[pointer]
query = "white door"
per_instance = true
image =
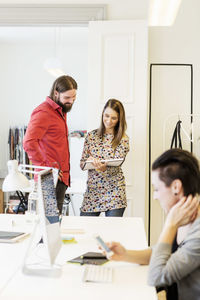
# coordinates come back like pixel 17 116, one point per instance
pixel 118 69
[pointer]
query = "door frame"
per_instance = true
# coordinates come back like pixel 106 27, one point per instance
pixel 50 14
pixel 152 65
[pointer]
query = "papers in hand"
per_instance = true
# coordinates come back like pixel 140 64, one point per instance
pixel 109 162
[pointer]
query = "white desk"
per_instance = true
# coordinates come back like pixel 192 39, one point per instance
pixel 11 256
pixel 129 279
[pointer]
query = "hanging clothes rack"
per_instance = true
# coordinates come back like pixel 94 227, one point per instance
pixel 15 142
pixel 188 134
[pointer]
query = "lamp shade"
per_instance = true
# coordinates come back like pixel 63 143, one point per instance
pixel 54 67
pixel 14 181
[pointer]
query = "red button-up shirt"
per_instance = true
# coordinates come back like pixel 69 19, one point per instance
pixel 46 138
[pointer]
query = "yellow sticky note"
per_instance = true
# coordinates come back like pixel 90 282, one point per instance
pixel 69 240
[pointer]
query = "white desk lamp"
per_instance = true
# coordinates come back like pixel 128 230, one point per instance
pixel 16 181
pixel 49 227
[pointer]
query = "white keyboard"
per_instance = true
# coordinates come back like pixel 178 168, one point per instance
pixel 94 273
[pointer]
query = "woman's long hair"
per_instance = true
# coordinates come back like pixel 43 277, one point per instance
pixel 120 128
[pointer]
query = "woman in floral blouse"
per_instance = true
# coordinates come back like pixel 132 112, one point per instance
pixel 106 190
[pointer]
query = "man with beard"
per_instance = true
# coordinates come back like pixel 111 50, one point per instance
pixel 46 138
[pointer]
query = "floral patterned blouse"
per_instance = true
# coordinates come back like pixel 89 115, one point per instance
pixel 105 190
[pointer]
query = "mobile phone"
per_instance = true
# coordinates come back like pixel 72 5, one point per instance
pixel 103 245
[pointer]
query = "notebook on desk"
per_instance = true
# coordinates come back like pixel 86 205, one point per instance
pixel 91 258
pixel 11 236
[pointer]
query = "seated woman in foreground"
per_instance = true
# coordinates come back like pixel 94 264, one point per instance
pixel 175 259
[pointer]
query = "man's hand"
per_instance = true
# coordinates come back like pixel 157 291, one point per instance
pixel 60 175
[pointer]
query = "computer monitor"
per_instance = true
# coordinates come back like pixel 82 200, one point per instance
pixel 46 239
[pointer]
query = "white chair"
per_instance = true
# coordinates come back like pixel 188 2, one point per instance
pixel 78 187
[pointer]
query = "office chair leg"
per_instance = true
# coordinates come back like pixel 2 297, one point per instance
pixel 23 202
pixel 67 201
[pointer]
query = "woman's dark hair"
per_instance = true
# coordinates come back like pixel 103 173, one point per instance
pixel 62 84
pixel 179 164
pixel 121 125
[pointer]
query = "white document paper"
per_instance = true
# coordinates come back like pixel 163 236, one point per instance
pixel 109 162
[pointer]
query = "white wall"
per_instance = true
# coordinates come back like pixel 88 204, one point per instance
pixel 116 10
pixel 35 93
pixel 25 84
pixel 177 44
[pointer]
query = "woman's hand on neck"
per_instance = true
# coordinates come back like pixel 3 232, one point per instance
pixel 182 213
pixel 183 230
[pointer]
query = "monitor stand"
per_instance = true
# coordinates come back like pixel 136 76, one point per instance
pixel 37 260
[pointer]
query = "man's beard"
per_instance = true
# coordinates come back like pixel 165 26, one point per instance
pixel 65 107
